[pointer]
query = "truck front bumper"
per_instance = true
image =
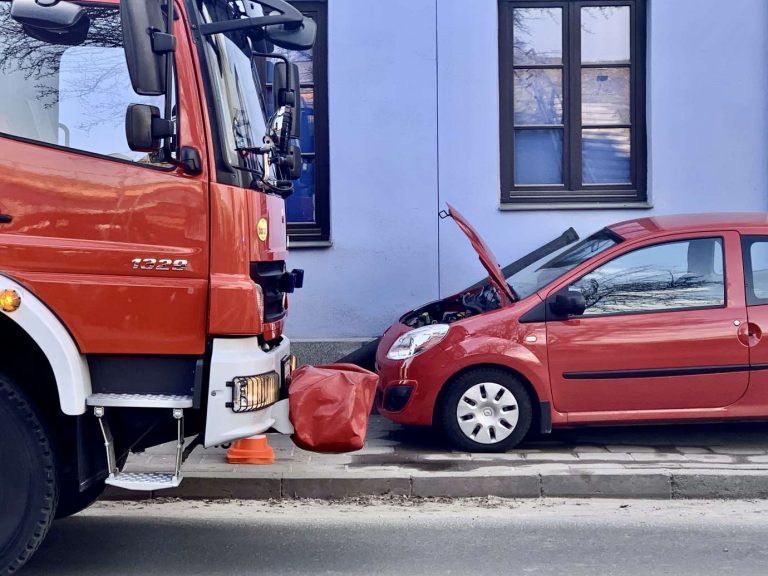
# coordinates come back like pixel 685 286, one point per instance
pixel 239 358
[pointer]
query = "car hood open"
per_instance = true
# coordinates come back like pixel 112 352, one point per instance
pixel 484 252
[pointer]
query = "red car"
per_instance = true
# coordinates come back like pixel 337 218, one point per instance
pixel 649 320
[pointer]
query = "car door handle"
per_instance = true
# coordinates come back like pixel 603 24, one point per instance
pixel 6 218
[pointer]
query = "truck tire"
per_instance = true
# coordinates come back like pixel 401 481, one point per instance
pixel 72 501
pixel 28 487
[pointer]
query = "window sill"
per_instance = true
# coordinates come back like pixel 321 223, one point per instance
pixel 309 244
pixel 575 206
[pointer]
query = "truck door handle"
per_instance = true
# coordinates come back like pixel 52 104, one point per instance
pixel 6 218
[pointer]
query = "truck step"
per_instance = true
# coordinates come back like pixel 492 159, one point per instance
pixel 145 481
pixel 139 401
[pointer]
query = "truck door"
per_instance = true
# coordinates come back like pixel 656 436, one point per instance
pixel 114 241
pixel 658 332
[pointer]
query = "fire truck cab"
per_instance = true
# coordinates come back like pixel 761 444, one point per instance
pixel 146 149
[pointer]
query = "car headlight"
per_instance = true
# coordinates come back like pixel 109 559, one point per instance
pixel 416 341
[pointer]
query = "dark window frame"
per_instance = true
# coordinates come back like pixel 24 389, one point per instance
pixel 303 234
pixel 573 192
pixel 716 237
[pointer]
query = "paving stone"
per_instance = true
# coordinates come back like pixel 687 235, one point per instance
pixel 693 450
pixel 551 457
pixel 657 457
pixel 617 485
pixel 628 449
pixel 757 459
pixel 460 456
pixel 710 458
pixel 505 486
pixel 225 488
pixel 742 485
pixel 333 488
pixel 738 450
pixel 605 456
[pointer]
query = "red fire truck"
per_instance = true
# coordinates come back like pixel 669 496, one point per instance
pixel 143 279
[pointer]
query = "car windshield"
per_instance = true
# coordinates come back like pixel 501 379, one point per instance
pixel 236 85
pixel 550 267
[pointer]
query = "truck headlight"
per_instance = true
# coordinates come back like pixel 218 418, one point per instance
pixel 416 341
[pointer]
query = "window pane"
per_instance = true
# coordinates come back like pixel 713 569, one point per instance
pixel 300 206
pixel 538 97
pixel 605 156
pixel 605 96
pixel 605 34
pixel 758 253
pixel 307 120
pixel 661 277
pixel 302 59
pixel 539 156
pixel 538 36
pixel 72 96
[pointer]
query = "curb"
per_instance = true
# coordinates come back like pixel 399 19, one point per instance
pixel 659 485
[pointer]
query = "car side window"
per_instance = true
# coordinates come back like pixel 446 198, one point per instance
pixel 755 250
pixel 673 275
pixel 74 96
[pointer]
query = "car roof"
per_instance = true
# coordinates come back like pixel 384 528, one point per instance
pixel 653 226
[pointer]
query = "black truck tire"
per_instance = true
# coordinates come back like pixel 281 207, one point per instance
pixel 28 486
pixel 72 501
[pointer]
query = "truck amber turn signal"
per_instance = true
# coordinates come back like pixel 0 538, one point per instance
pixel 9 300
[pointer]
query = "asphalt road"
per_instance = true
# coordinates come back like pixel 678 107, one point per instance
pixel 595 537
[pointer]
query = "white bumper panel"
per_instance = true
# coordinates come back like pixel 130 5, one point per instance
pixel 70 368
pixel 242 357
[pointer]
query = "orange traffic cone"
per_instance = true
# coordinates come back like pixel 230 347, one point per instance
pixel 253 450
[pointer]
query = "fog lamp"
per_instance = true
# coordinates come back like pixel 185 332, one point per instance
pixel 9 300
pixel 251 393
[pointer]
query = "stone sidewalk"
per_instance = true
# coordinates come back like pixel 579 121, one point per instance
pixel 684 461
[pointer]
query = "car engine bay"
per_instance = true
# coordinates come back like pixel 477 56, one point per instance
pixel 463 305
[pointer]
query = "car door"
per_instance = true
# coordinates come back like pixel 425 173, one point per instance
pixel 658 331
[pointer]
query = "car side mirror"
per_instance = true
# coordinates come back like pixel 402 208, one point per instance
pixel 144 128
pixel 568 303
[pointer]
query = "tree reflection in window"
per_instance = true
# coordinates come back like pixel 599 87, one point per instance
pixel 674 275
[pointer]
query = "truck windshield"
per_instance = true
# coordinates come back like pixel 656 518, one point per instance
pixel 550 267
pixel 236 86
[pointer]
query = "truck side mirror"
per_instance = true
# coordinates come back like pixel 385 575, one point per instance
pixel 293 35
pixel 146 45
pixel 568 303
pixel 287 92
pixel 141 123
pixel 52 21
pixel 46 14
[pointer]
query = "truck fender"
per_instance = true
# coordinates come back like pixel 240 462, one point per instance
pixel 70 368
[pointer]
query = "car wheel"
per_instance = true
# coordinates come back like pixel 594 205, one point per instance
pixel 485 410
pixel 28 487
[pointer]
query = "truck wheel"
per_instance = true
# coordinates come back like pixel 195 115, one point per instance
pixel 28 488
pixel 72 501
pixel 485 410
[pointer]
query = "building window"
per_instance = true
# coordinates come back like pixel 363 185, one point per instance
pixel 572 102
pixel 308 208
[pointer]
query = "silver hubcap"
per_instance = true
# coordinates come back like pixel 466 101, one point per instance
pixel 487 413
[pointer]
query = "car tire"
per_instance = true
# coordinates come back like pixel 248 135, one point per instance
pixel 485 410
pixel 28 484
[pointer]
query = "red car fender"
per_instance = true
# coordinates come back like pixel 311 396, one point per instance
pixel 527 359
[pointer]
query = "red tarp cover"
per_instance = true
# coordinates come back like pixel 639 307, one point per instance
pixel 330 405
